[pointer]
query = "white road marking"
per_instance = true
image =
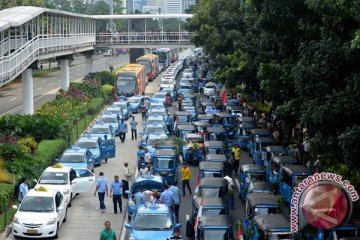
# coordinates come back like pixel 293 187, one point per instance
pixel 12 99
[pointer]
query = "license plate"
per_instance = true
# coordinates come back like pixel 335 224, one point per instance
pixel 32 231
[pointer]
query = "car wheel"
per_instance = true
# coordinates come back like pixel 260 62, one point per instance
pixel 71 196
pixel 57 232
pixel 65 218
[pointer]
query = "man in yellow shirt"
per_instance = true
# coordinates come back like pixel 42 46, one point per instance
pixel 185 177
pixel 237 153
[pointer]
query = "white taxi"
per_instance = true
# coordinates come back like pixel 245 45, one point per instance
pixel 40 214
pixel 67 180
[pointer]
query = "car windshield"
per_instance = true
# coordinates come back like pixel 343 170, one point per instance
pixel 88 144
pixel 109 119
pixel 121 105
pixel 159 95
pixel 183 119
pixel 154 122
pixel 54 178
pixel 215 234
pixel 37 204
pixel 210 192
pixel 166 81
pixel 229 120
pixel 260 211
pixel 164 163
pixel 152 222
pixel 99 130
pixel 72 158
pixel 155 130
pixel 156 106
pixel 133 100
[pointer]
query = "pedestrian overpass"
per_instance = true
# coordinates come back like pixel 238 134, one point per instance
pixel 29 34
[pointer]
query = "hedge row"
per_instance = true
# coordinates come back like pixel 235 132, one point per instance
pixel 95 105
pixel 6 193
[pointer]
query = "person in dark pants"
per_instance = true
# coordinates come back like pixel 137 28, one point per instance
pixel 237 153
pixel 133 124
pixel 122 130
pixel 102 189
pixel 116 193
pixel 177 200
pixel 185 177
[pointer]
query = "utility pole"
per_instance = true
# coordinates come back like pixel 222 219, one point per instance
pixel 111 13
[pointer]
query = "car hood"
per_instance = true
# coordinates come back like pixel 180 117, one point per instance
pixel 75 165
pixel 94 151
pixel 151 235
pixel 34 217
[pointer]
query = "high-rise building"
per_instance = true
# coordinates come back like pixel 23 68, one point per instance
pixel 186 4
pixel 173 6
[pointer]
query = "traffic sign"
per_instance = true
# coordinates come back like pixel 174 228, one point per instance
pixel 325 205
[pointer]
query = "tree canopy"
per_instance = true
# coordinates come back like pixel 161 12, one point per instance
pixel 302 56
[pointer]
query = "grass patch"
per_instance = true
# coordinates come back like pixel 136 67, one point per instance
pixel 43 72
pixel 9 216
pixel 80 127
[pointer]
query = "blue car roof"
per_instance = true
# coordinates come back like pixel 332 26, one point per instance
pixel 75 150
pixel 153 208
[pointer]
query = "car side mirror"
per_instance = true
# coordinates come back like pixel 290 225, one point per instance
pixel 14 206
pixel 127 225
pixel 60 208
pixel 56 160
pixel 178 226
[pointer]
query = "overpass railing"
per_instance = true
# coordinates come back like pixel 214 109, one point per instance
pixel 137 38
pixel 17 61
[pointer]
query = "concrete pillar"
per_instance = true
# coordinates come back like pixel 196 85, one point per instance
pixel 88 65
pixel 27 92
pixel 65 75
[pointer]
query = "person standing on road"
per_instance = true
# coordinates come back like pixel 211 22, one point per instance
pixel 116 193
pixel 139 198
pixel 108 233
pixel 122 130
pixel 147 158
pixel 133 125
pixel 23 189
pixel 177 200
pixel 127 172
pixel 185 177
pixel 237 153
pixel 143 111
pixel 167 197
pixel 102 189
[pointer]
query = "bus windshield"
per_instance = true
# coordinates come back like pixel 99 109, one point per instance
pixel 162 56
pixel 147 66
pixel 125 85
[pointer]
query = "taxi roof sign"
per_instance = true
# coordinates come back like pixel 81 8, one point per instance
pixel 57 165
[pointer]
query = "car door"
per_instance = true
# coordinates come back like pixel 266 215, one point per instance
pixel 83 181
pixel 107 149
pixel 90 160
pixel 60 206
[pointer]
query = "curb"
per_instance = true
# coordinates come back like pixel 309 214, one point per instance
pixel 7 232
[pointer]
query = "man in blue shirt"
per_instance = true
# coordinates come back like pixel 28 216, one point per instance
pixel 115 193
pixel 177 199
pixel 140 153
pixel 139 198
pixel 122 130
pixel 102 189
pixel 167 197
pixel 23 189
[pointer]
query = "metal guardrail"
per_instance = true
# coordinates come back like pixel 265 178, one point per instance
pixel 17 61
pixel 143 38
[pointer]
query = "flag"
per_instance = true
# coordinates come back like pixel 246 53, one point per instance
pixel 223 95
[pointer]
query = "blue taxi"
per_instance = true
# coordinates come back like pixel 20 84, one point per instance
pixel 150 182
pixel 165 164
pixel 112 119
pixel 136 102
pixel 77 158
pixel 271 226
pixel 152 221
pixel 125 108
pixel 100 129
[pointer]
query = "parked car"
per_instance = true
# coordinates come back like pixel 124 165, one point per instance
pixel 152 221
pixel 67 180
pixel 136 102
pixel 40 214
pixel 75 157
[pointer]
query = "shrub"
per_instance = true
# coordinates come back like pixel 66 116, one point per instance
pixel 105 77
pixel 8 139
pixel 90 88
pixel 74 94
pixel 6 193
pixel 109 89
pixel 261 107
pixel 27 144
pixel 95 105
pixel 9 152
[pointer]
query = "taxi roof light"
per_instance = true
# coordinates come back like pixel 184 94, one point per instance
pixel 57 165
pixel 41 189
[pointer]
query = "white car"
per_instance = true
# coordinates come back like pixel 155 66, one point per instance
pixel 67 180
pixel 209 89
pixel 40 214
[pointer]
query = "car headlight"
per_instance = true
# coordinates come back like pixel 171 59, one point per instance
pixel 131 203
pixel 51 221
pixel 16 220
pixel 66 191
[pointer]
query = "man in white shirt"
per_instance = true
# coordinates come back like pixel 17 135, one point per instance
pixel 147 157
pixel 143 171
